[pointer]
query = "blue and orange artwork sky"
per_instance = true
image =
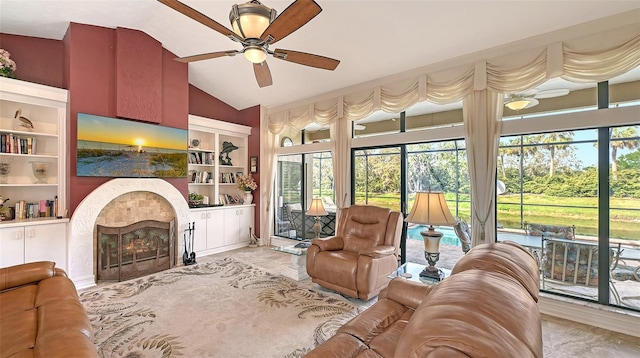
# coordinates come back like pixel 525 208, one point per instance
pixel 111 130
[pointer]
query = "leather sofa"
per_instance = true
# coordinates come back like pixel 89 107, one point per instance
pixel 364 251
pixel 41 314
pixel 486 308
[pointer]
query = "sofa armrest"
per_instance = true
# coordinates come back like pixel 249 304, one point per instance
pixel 378 251
pixel 405 292
pixel 333 243
pixel 20 275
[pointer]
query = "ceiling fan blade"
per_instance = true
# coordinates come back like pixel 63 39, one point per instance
pixel 552 93
pixel 200 17
pixel 307 59
pixel 263 75
pixel 292 18
pixel 207 56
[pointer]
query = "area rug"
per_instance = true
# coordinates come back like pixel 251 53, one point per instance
pixel 220 308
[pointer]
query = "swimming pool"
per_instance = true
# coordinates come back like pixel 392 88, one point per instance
pixel 449 236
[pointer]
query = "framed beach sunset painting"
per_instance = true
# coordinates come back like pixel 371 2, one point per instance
pixel 111 147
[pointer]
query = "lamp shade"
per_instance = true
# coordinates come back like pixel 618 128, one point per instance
pixel 249 20
pixel 430 208
pixel 255 54
pixel 316 208
pixel 519 103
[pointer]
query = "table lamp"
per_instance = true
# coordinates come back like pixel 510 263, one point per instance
pixel 316 209
pixel 430 208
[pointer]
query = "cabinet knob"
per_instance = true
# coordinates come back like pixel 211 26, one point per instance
pixel 203 216
pixel 208 215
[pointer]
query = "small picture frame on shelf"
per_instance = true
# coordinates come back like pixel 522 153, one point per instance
pixel 253 165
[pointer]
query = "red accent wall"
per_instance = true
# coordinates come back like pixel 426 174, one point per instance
pixel 38 60
pixel 93 88
pixel 203 105
pixel 138 76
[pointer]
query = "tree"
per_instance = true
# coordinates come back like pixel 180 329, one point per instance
pixel 554 141
pixel 620 138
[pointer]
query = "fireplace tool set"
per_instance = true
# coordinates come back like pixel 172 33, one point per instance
pixel 189 258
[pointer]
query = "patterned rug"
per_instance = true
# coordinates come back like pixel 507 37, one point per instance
pixel 220 308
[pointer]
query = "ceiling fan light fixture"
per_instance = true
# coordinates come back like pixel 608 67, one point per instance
pixel 255 54
pixel 249 20
pixel 519 103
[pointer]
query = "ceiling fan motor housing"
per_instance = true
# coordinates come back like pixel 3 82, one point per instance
pixel 249 20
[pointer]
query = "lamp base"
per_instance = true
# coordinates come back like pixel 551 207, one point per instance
pixel 436 275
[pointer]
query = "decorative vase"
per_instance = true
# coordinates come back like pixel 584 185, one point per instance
pixel 5 169
pixel 248 197
pixel 40 171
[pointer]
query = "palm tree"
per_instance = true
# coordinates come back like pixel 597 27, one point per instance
pixel 554 141
pixel 618 140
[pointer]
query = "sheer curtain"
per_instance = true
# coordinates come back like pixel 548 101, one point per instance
pixel 268 145
pixel 482 113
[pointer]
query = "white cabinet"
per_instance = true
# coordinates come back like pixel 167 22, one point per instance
pixel 46 108
pixel 30 243
pixel 217 155
pixel 221 228
pixel 237 223
pixel 209 225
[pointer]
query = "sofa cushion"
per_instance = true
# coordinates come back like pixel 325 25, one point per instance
pixel 337 267
pixel 25 274
pixel 17 332
pixel 341 345
pixel 479 313
pixel 55 288
pixel 507 258
pixel 20 299
pixel 65 344
pixel 379 317
pixel 63 315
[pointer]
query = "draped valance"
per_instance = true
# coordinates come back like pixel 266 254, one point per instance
pixel 591 58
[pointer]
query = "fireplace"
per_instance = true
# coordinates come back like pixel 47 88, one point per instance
pixel 139 249
pixel 121 202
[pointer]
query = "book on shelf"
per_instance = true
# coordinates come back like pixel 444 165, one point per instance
pixel 196 176
pixel 15 144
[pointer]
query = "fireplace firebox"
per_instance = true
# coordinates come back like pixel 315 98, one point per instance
pixel 135 250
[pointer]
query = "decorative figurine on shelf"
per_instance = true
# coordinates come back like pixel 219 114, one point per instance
pixel 3 215
pixel 253 240
pixel 22 123
pixel 227 147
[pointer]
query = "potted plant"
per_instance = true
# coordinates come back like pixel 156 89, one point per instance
pixel 195 199
pixel 246 184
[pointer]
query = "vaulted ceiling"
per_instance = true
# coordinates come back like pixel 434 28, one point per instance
pixel 372 39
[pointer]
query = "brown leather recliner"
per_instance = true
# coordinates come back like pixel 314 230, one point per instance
pixel 364 251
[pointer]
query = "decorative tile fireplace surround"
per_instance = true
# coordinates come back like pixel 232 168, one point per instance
pixel 129 194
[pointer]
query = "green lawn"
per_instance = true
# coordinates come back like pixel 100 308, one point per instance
pixel 581 212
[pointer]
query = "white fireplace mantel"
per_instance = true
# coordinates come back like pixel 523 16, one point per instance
pixel 81 237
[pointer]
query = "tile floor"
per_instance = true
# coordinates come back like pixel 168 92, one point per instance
pixel 561 338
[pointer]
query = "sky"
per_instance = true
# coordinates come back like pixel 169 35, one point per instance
pixel 121 131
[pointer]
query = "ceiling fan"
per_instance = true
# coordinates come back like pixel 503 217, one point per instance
pixel 529 98
pixel 256 27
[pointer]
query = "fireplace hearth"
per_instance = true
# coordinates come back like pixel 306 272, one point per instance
pixel 135 250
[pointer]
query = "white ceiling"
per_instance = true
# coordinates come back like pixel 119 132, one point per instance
pixel 373 39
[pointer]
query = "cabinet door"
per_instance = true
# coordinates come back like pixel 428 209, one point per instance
pixel 215 229
pixel 231 226
pixel 200 235
pixel 46 243
pixel 11 246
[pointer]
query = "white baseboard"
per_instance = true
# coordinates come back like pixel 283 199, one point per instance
pixel 84 282
pixel 609 318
